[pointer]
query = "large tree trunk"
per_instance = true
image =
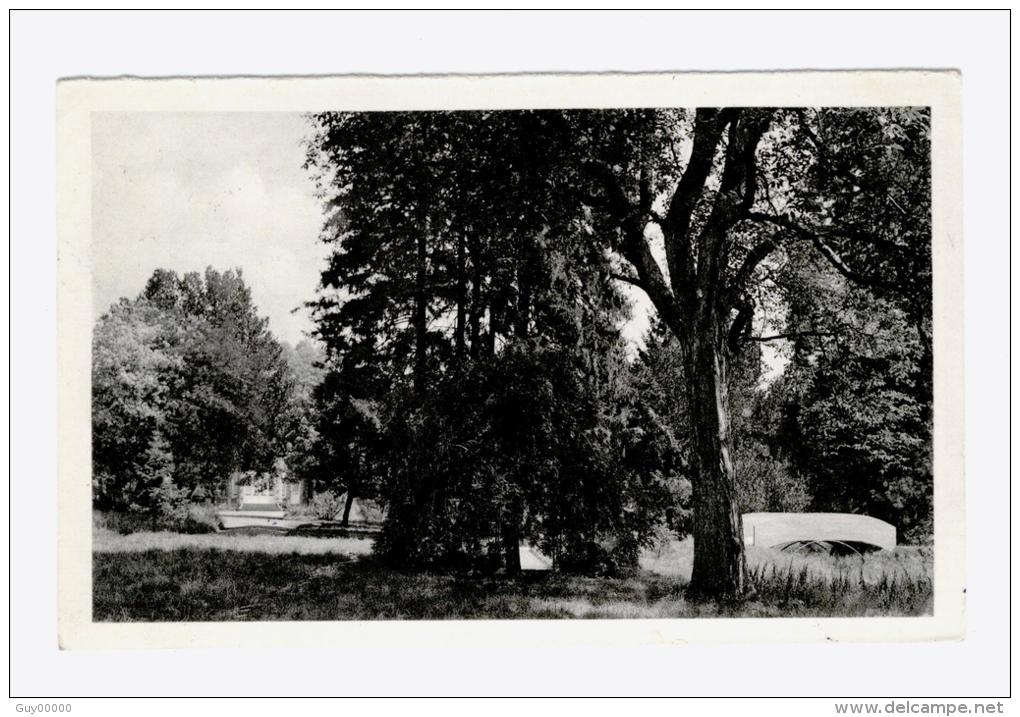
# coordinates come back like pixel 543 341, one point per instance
pixel 511 544
pixel 347 509
pixel 694 303
pixel 719 566
pixel 512 551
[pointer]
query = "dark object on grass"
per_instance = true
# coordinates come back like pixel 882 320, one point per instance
pixel 336 529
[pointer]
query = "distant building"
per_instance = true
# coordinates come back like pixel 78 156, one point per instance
pixel 278 483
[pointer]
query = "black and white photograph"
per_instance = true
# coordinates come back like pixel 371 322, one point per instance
pixel 617 363
pixel 469 361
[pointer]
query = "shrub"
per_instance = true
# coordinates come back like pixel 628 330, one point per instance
pixel 766 483
pixel 200 518
pixel 326 505
pixel 193 520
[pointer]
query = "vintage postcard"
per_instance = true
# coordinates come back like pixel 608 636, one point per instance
pixel 365 360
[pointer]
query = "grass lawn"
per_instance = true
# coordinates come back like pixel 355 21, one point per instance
pixel 172 577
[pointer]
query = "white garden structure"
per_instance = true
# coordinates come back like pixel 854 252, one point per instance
pixel 786 531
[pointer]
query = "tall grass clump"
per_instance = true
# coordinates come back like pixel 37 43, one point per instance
pixel 897 582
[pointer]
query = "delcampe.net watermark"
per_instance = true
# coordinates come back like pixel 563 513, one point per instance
pixel 908 707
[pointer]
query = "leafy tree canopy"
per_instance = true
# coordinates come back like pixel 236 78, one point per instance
pixel 189 374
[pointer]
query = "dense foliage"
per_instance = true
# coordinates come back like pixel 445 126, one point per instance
pixel 188 386
pixel 857 417
pixel 472 308
pixel 474 347
pixel 474 374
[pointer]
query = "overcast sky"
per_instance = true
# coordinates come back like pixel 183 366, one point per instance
pixel 187 191
pixel 191 190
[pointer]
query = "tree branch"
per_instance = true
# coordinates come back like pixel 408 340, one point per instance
pixel 617 201
pixel 805 125
pixel 708 129
pixel 676 224
pixel 792 335
pixel 639 254
pixel 645 195
pixel 632 280
pixel 739 181
pixel 754 257
pixel 815 236
pixel 732 202
pixel 741 325
pixel 631 220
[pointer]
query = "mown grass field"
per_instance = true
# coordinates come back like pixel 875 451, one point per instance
pixel 173 577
